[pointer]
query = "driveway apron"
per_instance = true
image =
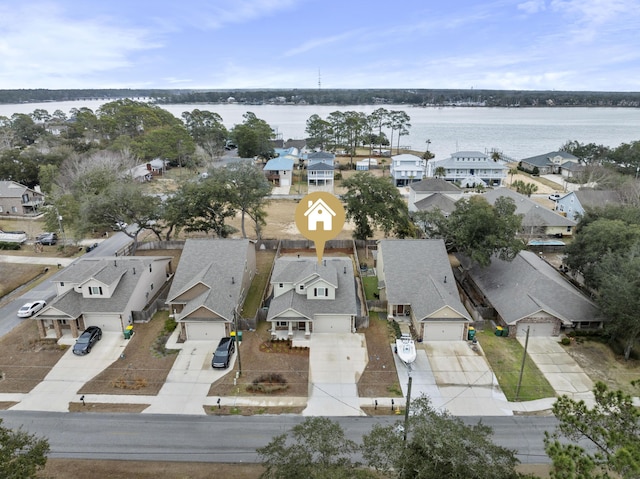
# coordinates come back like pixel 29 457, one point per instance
pixel 187 385
pixel 560 369
pixel 71 372
pixel 336 362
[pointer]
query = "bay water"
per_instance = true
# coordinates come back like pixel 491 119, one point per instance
pixel 516 132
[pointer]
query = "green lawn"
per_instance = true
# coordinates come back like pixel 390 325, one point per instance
pixel 370 284
pixel 505 357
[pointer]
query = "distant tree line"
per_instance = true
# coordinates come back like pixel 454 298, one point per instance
pixel 418 97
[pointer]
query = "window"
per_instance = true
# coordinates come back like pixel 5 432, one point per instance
pixel 320 292
pixel 282 324
pixel 14 209
pixel 95 290
pixel 302 287
pixel 62 283
pixel 281 285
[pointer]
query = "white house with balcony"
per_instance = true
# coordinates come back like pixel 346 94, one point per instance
pixel 470 168
pixel 406 168
pixel 320 171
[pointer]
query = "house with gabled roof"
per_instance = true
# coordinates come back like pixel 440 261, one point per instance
pixel 211 282
pixel 421 194
pixel 103 292
pixel 406 169
pixel 311 297
pixel 320 171
pixel 470 168
pixel 548 163
pixel 529 293
pixel 280 170
pixel 17 199
pixel 574 204
pixel 537 221
pixel 416 280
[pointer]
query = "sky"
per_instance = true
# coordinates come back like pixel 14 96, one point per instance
pixel 240 44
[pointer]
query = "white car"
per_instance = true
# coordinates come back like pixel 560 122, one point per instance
pixel 30 309
pixel 555 197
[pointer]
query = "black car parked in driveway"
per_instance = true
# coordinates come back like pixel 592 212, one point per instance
pixel 47 238
pixel 223 353
pixel 86 340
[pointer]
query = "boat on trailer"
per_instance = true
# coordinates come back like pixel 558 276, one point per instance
pixel 406 348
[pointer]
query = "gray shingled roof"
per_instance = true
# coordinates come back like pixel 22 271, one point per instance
pixel 590 198
pixel 295 270
pixel 434 185
pixel 527 285
pixel 533 214
pixel 320 167
pixel 436 200
pixel 105 270
pixel 321 155
pixel 415 272
pixel 545 159
pixel 212 262
pixel 12 189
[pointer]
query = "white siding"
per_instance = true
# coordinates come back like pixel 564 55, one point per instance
pixel 536 329
pixel 442 331
pixel 205 330
pixel 105 322
pixel 332 324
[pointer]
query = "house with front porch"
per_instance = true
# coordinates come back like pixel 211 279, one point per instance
pixel 530 294
pixel 470 169
pixel 416 280
pixel 211 282
pixel 19 200
pixel 103 292
pixel 310 297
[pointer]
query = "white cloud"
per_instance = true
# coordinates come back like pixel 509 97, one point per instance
pixel 532 6
pixel 40 42
pixel 237 11
pixel 317 43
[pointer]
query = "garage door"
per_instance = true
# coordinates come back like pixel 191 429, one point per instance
pixel 204 331
pixel 332 324
pixel 536 329
pixel 443 331
pixel 106 323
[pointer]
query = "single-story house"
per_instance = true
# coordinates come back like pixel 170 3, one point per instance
pixel 529 293
pixel 537 221
pixel 103 292
pixel 19 200
pixel 548 163
pixel 211 282
pixel 574 204
pixel 416 280
pixel 311 297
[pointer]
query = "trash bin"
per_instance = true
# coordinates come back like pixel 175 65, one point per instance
pixel 472 333
pixel 239 336
pixel 499 331
pixel 505 332
pixel 128 332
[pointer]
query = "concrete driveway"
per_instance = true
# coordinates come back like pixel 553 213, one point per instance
pixel 560 369
pixel 336 362
pixel 71 372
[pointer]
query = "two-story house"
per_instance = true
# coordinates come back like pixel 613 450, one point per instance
pixel 406 168
pixel 211 282
pixel 320 171
pixel 279 171
pixel 469 169
pixel 19 200
pixel 311 297
pixel 103 292
pixel 433 193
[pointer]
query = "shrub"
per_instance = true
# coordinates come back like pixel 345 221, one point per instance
pixel 169 326
pixel 268 384
pixel 9 246
pixel 565 341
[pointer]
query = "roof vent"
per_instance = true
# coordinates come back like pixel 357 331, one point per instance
pixel 445 279
pixel 134 271
pixel 233 280
pixel 345 270
pixel 115 263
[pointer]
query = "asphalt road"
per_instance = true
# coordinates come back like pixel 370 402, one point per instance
pixel 223 438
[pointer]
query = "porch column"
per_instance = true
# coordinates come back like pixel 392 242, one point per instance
pixel 56 328
pixel 290 333
pixel 74 328
pixel 307 332
pixel 41 330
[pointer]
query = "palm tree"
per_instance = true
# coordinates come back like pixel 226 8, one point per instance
pixel 440 172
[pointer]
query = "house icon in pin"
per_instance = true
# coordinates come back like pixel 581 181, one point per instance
pixel 319 212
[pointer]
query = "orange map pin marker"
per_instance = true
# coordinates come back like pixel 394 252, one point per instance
pixel 320 217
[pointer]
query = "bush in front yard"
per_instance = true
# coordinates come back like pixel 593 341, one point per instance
pixel 268 384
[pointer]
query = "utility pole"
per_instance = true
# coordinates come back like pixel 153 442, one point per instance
pixel 524 356
pixel 235 325
pixel 406 411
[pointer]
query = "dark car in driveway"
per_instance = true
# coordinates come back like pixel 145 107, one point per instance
pixel 48 239
pixel 87 339
pixel 222 355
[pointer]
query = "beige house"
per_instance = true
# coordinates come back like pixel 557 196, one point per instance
pixel 103 292
pixel 211 282
pixel 19 200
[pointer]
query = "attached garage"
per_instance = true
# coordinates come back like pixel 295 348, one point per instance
pixel 111 323
pixel 536 329
pixel 332 324
pixel 443 331
pixel 205 330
